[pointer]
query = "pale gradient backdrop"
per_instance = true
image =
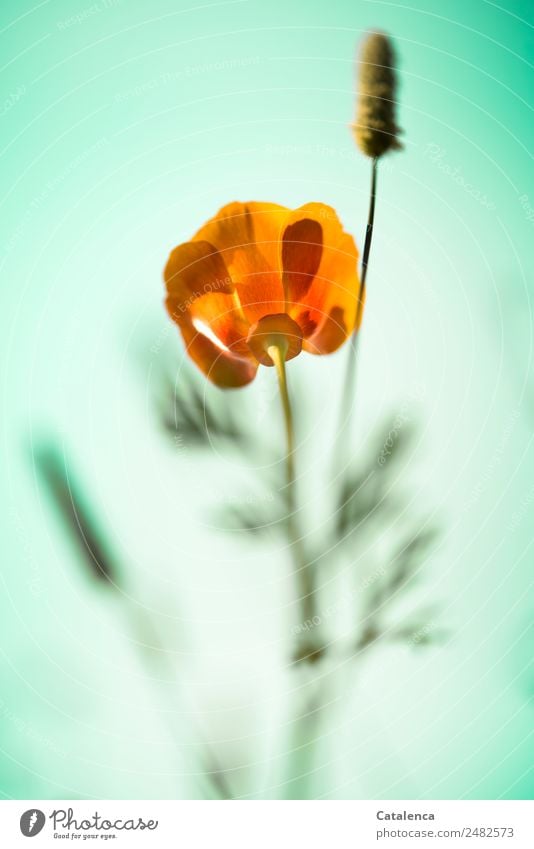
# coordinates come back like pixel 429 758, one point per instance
pixel 125 125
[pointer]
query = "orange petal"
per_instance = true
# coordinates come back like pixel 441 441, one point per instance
pixel 327 311
pixel 331 334
pixel 224 319
pixel 246 225
pixel 199 287
pixel 194 269
pixel 221 366
pixel 248 237
pixel 302 250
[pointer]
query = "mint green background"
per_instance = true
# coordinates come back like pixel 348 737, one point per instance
pixel 122 131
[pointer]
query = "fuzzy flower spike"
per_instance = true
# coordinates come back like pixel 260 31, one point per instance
pixel 375 129
pixel 375 133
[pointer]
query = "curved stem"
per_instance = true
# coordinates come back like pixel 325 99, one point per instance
pixel 303 572
pixel 277 357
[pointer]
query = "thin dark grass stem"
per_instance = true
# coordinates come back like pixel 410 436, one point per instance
pixel 349 385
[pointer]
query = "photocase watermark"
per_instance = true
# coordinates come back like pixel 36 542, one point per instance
pixel 179 310
pixel 66 820
pixel 65 824
pixel 422 634
pixel 526 206
pixel 179 442
pixel 161 339
pixel 89 12
pixel 402 418
pixel 221 497
pixel 32 571
pixel 32 822
pixel 349 153
pixel 437 155
pixel 521 511
pixel 169 77
pixel 206 289
pixel 26 729
pixel 48 189
pixel 313 150
pixel 399 421
pixel 268 394
pixel 333 609
pixel 12 99
pixel 495 461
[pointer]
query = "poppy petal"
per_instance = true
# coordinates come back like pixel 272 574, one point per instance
pixel 327 311
pixel 302 250
pixel 194 269
pixel 332 333
pixel 248 238
pixel 221 366
pixel 256 271
pixel 246 225
pixel 224 319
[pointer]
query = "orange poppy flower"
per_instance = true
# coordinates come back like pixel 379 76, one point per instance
pixel 258 275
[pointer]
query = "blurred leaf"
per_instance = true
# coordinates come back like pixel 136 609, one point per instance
pixel 419 633
pixel 367 491
pixel 370 493
pixel 196 415
pixel 67 497
pixel 402 568
pixel 408 559
pixel 253 519
pixel 189 408
pixel 399 576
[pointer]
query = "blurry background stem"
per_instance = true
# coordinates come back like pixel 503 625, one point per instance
pixel 304 734
pixel 210 777
pixel 304 575
pixel 305 727
pixel 349 385
pixel 73 508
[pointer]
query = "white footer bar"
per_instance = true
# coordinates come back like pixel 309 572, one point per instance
pixel 268 825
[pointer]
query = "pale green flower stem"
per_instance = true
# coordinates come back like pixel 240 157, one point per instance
pixel 304 723
pixel 303 571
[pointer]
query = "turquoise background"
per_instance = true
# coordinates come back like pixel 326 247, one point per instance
pixel 125 125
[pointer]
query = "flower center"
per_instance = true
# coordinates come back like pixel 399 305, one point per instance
pixel 279 331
